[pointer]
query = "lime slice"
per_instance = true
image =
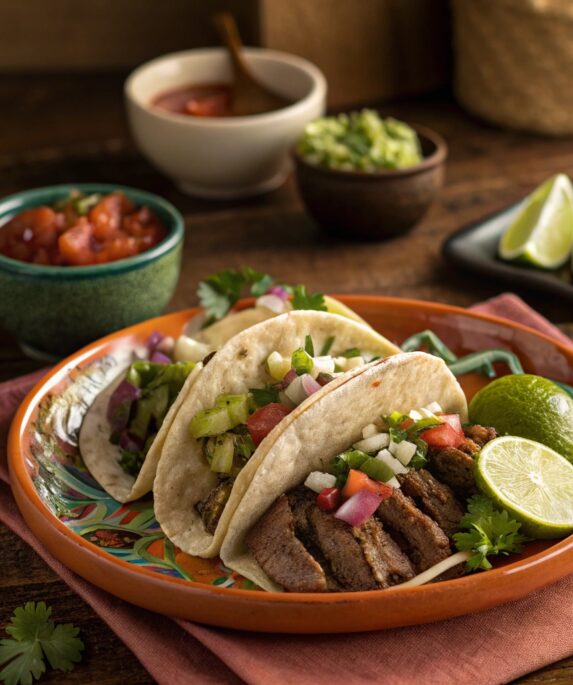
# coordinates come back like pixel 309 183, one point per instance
pixel 542 233
pixel 531 481
pixel 528 406
pixel 334 306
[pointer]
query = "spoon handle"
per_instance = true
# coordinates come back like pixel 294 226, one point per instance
pixel 227 27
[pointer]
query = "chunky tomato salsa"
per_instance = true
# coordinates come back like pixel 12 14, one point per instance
pixel 81 230
pixel 206 100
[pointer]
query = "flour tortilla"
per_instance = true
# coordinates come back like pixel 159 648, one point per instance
pixel 330 426
pixel 102 457
pixel 183 475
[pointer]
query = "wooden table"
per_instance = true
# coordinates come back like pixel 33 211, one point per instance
pixel 66 129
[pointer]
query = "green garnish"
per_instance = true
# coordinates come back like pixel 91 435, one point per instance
pixel 131 462
pixel 303 300
pixel 264 396
pixel 328 343
pixel 360 141
pixel 491 532
pixel 36 637
pixel 352 352
pixel 219 292
pixel 301 361
pixel 309 345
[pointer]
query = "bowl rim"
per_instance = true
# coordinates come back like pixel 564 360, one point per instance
pixel 317 91
pixel 14 203
pixel 437 157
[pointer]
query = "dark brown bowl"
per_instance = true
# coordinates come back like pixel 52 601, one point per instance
pixel 373 205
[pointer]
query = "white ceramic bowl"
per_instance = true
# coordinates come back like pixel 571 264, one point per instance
pixel 223 157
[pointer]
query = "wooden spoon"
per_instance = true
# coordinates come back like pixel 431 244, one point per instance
pixel 249 95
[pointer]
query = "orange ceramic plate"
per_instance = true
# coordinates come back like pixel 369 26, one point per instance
pixel 121 549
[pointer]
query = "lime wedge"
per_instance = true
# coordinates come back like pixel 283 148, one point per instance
pixel 542 233
pixel 334 306
pixel 531 481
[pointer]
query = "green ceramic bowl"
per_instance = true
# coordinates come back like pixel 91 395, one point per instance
pixel 54 310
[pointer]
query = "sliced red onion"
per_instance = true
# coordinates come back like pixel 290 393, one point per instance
pixel 288 379
pixel 119 405
pixel 166 345
pixel 159 358
pixel 129 443
pixel 154 339
pixel 272 302
pixel 279 291
pixel 324 378
pixel 359 508
pixel 309 385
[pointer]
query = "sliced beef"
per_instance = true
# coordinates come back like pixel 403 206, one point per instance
pixel 342 549
pixel 281 555
pixel 426 543
pixel 454 468
pixel 388 563
pixel 435 499
pixel 212 506
pixel 480 434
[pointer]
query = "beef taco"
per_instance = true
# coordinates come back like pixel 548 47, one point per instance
pixel 255 386
pixel 346 497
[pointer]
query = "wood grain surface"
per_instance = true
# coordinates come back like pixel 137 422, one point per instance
pixel 71 128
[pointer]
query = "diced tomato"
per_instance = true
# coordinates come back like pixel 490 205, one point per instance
pixel 107 215
pixel 406 424
pixel 357 480
pixel 329 499
pixel 76 244
pixel 454 421
pixel 442 436
pixel 264 419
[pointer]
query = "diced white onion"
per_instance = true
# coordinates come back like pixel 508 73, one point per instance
pixel 415 415
pixel 392 446
pixel 341 362
pixel 427 414
pixel 404 452
pixel 434 407
pixel 278 365
pixel 317 481
pixel 396 466
pixel 190 350
pixel 354 363
pixel 272 302
pixel 394 482
pixel 295 391
pixel 322 365
pixel 374 443
pixel 369 430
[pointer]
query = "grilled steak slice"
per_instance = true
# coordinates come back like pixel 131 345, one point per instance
pixel 435 499
pixel 341 547
pixel 480 434
pixel 426 542
pixel 281 555
pixel 454 468
pixel 212 506
pixel 388 563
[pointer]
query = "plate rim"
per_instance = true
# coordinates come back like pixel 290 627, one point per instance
pixel 26 494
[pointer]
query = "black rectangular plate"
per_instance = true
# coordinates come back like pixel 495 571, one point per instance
pixel 474 247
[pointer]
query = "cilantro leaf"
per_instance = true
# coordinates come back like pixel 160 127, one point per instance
pixel 263 396
pixel 219 292
pixel 35 635
pixel 490 532
pixel 303 300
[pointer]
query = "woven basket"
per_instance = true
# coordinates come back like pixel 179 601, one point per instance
pixel 514 62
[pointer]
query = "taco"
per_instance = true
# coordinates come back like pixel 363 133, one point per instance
pixel 255 385
pixel 344 498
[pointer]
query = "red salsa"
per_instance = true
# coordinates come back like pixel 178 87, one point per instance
pixel 206 100
pixel 81 230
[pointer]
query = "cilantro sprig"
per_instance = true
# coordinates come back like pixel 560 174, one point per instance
pixel 219 292
pixel 490 532
pixel 36 637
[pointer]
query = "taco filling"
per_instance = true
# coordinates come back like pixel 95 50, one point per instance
pixel 230 431
pixel 139 404
pixel 385 510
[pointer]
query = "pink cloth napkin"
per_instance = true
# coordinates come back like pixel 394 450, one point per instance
pixel 492 647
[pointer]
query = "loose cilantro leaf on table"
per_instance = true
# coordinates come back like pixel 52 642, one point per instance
pixel 303 300
pixel 35 636
pixel 491 532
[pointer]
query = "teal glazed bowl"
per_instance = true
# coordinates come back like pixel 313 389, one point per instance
pixel 54 310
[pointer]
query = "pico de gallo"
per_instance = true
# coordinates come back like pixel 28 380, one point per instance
pixel 80 230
